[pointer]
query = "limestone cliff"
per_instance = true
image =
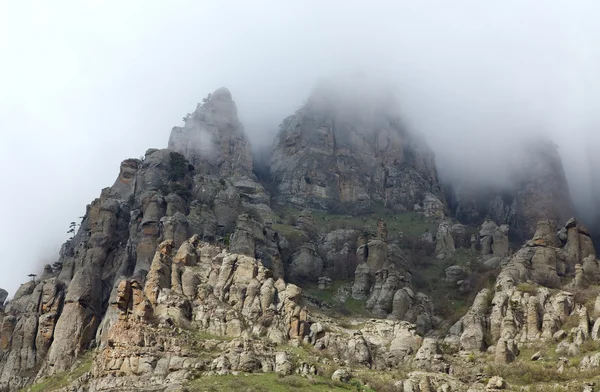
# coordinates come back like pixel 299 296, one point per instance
pixel 343 149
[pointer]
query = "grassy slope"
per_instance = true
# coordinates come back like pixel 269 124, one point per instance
pixel 269 382
pixel 544 374
pixel 61 380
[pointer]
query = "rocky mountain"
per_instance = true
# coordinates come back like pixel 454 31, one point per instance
pixel 184 276
pixel 213 138
pixel 538 189
pixel 337 150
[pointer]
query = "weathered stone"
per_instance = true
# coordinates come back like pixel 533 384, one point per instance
pixel 367 158
pixel 306 265
pixel 444 245
pixel 3 296
pixel 362 282
pixel 341 375
pixel 213 138
pixel 496 383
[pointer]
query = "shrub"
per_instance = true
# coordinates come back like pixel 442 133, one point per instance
pixel 178 166
pixel 528 288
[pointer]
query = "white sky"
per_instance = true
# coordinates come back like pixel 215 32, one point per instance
pixel 86 84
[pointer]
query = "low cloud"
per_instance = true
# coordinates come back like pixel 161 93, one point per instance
pixel 88 85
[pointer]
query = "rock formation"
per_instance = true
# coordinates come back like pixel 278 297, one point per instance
pixel 181 270
pixel 537 190
pixel 339 150
pixel 522 308
pixel 213 139
pixel 165 196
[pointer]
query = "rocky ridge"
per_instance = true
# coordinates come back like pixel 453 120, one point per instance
pixel 182 272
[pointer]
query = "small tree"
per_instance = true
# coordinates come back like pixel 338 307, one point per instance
pixel 72 227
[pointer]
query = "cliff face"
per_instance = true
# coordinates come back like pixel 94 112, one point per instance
pixel 341 149
pixel 213 138
pixel 538 189
pixel 163 197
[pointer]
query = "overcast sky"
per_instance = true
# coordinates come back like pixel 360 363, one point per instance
pixel 84 85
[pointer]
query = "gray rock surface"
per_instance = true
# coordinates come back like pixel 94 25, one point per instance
pixel 368 158
pixel 493 239
pixel 306 265
pixel 339 253
pixel 3 296
pixel 537 190
pixel 444 241
pixel 213 139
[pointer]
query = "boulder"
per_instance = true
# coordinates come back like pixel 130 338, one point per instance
pixel 496 383
pixel 341 375
pixel 306 265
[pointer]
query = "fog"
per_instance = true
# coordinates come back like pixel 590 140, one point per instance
pixel 85 85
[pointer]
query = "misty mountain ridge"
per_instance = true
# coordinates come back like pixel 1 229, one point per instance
pixel 338 260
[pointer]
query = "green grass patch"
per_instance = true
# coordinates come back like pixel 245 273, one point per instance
pixel 463 256
pixel 63 379
pixel 292 234
pixel 410 224
pixel 350 307
pixel 267 382
pixel 312 290
pixel 524 371
pixel 449 303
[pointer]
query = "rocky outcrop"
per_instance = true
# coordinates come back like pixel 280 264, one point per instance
pixel 336 150
pixel 253 238
pixel 306 265
pixel 213 138
pixel 338 250
pixel 203 288
pixel 522 308
pixel 392 297
pixel 363 280
pixel 3 296
pixel 493 239
pixel 162 197
pixel 543 192
pixel 444 240
pixel 178 271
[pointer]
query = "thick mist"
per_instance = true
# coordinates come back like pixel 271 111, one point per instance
pixel 86 85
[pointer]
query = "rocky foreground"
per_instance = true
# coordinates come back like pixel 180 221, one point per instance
pixel 185 276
